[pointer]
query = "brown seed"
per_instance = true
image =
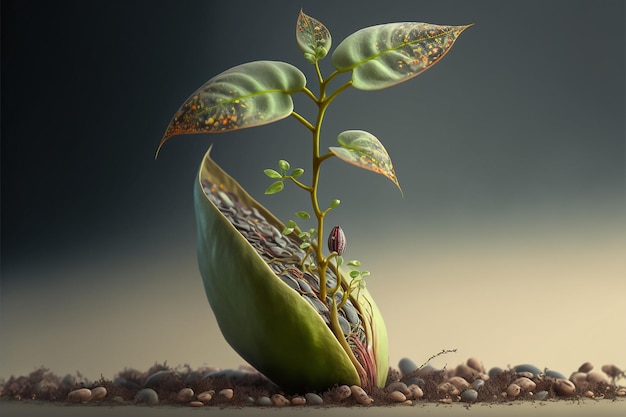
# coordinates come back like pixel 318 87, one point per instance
pixel 460 383
pixel 415 392
pixel 447 388
pixel 611 370
pixel 299 400
pixel 196 403
pixel 360 395
pixel 513 391
pixel 185 395
pixel 279 400
pixel 475 364
pixel 80 395
pixel 396 396
pixel 564 387
pixel 227 393
pixel 342 392
pixel 621 392
pixel 206 396
pixel 589 394
pixel 525 384
pixel 597 377
pixel 98 393
pixel 585 367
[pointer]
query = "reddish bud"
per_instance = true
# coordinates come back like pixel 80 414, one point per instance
pixel 337 240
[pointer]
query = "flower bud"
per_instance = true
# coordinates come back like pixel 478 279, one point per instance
pixel 337 240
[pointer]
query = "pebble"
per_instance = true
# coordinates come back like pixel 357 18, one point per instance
pixel 196 403
pixel 264 401
pixel 477 383
pixel 279 400
pixel 148 396
pixel 185 395
pixel 541 395
pixel 597 377
pixel 407 366
pixel 227 393
pixel 525 384
pixel 342 392
pixel 396 396
pixel 469 396
pixel 447 388
pixel 554 374
pixel 585 367
pixel 611 370
pixel 81 395
pixel 460 383
pixel 466 372
pixel 360 395
pixel 415 392
pixel 98 393
pixel 157 378
pixel 564 387
pixel 313 399
pixel 513 391
pixel 118 399
pixel 580 380
pixel 414 380
pixel 206 396
pixel 299 400
pixel 621 392
pixel 495 371
pixel 475 364
pixel 397 386
pixel 527 368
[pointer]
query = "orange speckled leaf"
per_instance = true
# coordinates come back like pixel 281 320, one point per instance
pixel 364 150
pixel 312 36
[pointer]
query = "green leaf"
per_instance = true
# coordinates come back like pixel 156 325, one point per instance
pixel 303 215
pixel 297 172
pixel 283 165
pixel 335 203
pixel 275 187
pixel 313 37
pixel 339 260
pixel 305 245
pixel 251 94
pixel 354 274
pixel 287 231
pixel 365 274
pixel 354 262
pixel 385 55
pixel 362 149
pixel 272 173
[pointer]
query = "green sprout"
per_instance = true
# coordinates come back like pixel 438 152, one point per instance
pixel 260 92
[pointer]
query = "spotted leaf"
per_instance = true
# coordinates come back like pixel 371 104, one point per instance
pixel 364 150
pixel 384 55
pixel 313 37
pixel 247 95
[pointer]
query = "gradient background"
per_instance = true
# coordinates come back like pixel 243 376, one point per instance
pixel 508 245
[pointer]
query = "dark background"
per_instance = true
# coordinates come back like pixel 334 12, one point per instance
pixel 516 136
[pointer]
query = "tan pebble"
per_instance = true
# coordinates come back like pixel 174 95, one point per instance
pixel 407 402
pixel 227 393
pixel 621 392
pixel 589 394
pixel 564 387
pixel 476 365
pixel 360 395
pixel 415 392
pixel 206 396
pixel 279 400
pixel 397 396
pixel 196 403
pixel 528 375
pixel 579 379
pixel 611 370
pixel 447 388
pixel 185 395
pixel 342 392
pixel 525 384
pixel 597 377
pixel 80 395
pixel 466 372
pixel 513 391
pixel 446 400
pixel 484 377
pixel 300 400
pixel 585 367
pixel 98 393
pixel 460 383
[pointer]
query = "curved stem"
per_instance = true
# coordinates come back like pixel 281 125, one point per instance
pixel 302 120
pixel 299 184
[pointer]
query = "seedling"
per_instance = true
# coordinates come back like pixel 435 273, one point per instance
pixel 260 92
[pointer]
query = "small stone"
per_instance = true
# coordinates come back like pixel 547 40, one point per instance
pixel 397 386
pixel 299 400
pixel 460 383
pixel 342 392
pixel 360 395
pixel 206 396
pixel 475 364
pixel 527 368
pixel 513 391
pixel 447 388
pixel 541 395
pixel 554 374
pixel 157 378
pixel 525 384
pixel 227 393
pixel 415 392
pixel 477 383
pixel 147 396
pixel 564 387
pixel 313 399
pixel 495 371
pixel 580 380
pixel 81 395
pixel 526 374
pixel 196 403
pixel 118 399
pixel 396 396
pixel 585 367
pixel 466 372
pixel 469 396
pixel 264 401
pixel 621 392
pixel 279 400
pixel 98 393
pixel 597 377
pixel 446 400
pixel 588 394
pixel 250 400
pixel 611 370
pixel 414 380
pixel 185 395
pixel 407 366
